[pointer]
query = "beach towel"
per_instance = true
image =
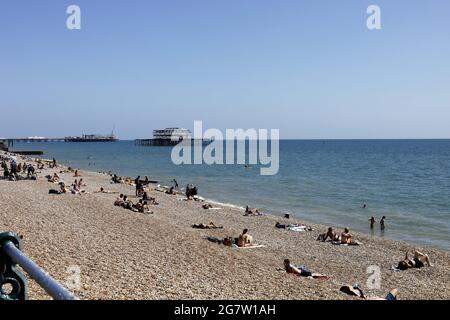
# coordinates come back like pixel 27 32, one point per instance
pixel 297 229
pixel 252 246
pixel 394 268
pixel 354 243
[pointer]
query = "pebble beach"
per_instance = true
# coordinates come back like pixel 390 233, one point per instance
pixel 128 255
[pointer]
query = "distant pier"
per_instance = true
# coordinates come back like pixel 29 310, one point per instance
pixel 10 142
pixel 165 142
pixel 7 144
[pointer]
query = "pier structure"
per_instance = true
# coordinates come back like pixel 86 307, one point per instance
pixel 165 142
pixel 10 141
pixel 169 137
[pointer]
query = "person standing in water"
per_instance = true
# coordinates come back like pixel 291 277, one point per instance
pixel 372 222
pixel 382 222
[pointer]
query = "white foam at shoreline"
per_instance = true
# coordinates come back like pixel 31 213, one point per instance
pixel 225 204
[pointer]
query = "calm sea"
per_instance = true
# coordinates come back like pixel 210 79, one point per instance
pixel 323 181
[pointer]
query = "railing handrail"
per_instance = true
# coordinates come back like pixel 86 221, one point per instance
pixel 10 245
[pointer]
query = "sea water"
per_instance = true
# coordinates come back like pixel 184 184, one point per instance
pixel 322 181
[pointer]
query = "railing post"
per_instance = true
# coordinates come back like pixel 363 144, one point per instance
pixel 8 271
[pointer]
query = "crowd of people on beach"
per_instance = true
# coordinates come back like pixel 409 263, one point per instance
pixel 13 171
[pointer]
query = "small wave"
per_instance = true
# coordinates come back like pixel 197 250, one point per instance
pixel 225 204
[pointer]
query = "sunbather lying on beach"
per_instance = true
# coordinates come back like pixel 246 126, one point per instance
pixel 346 236
pixel 294 226
pixel 105 191
pixel 54 179
pixel 145 208
pixel 75 189
pixel 356 291
pixel 418 261
pixel 115 179
pixel 127 204
pixel 81 183
pixel 245 239
pixel 39 163
pixel 210 225
pixel 392 295
pixel 63 187
pixel 208 206
pixel 151 200
pixel 128 181
pixel 301 271
pixel 330 234
pixel 227 241
pixel 171 191
pixel 142 206
pixel 119 201
pixel 252 212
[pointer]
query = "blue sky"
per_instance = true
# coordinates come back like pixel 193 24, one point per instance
pixel 309 68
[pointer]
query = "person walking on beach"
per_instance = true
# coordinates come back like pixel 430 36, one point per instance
pixel 137 182
pixel 372 222
pixel 175 183
pixel 13 167
pixel 382 222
